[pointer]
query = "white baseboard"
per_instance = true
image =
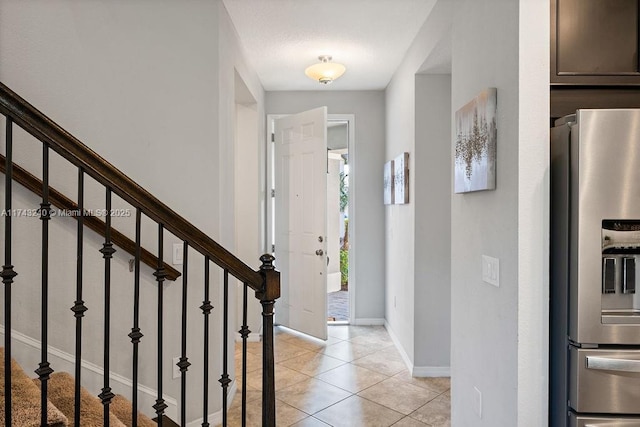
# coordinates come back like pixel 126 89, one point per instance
pixel 416 371
pixel 253 337
pixel 215 418
pixel 431 371
pixel 368 322
pixel 92 374
pixel 399 347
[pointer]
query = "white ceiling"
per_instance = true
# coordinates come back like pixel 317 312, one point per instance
pixel 370 37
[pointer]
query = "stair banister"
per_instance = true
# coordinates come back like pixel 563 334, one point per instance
pixel 265 282
pixel 35 185
pixel 66 145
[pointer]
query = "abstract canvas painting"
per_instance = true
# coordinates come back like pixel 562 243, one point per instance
pixel 388 183
pixel 476 135
pixel 401 179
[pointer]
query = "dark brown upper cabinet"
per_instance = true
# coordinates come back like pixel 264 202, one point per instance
pixel 595 42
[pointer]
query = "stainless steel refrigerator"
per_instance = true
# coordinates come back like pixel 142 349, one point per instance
pixel 595 251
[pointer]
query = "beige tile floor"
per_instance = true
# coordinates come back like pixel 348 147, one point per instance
pixel 355 379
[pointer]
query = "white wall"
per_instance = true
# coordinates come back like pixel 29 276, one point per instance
pixel 533 214
pixel 367 209
pixel 248 233
pixel 337 136
pixel 150 86
pixel 409 289
pixel 500 335
pixel 112 75
pixel 432 334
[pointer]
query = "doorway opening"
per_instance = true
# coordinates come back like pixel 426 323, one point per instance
pixel 338 221
pixel 340 127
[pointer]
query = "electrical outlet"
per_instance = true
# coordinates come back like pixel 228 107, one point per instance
pixel 176 368
pixel 477 402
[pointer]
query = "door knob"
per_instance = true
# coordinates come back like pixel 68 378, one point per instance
pixel 319 252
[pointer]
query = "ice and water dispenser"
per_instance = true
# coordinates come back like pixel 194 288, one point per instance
pixel 620 258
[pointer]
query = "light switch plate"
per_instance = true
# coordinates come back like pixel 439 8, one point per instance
pixel 491 270
pixel 177 253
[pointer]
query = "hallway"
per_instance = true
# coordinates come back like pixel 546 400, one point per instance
pixel 357 378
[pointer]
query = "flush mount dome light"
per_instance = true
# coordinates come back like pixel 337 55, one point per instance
pixel 325 72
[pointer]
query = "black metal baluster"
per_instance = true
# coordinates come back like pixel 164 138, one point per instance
pixel 44 368
pixel 79 308
pixel 184 362
pixel 7 271
pixel 107 253
pixel 161 275
pixel 206 308
pixel 224 379
pixel 244 333
pixel 135 334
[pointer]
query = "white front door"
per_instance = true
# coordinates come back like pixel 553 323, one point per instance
pixel 301 220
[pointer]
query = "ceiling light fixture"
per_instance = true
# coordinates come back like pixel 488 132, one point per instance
pixel 325 72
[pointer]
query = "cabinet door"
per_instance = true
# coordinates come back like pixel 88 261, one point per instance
pixel 595 42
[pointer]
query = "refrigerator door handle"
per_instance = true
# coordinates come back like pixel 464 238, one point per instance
pixel 608 364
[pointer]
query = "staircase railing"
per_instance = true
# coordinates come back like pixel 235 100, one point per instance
pixel 70 208
pixel 265 282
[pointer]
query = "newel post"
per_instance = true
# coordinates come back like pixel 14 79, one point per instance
pixel 267 295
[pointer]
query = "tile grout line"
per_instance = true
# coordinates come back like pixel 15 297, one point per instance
pixel 374 340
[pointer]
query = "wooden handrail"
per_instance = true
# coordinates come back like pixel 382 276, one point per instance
pixel 66 145
pixel 59 200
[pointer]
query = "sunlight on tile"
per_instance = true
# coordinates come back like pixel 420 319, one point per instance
pixel 313 363
pixel 356 378
pixel 352 378
pixel 399 396
pixel 356 411
pixel 312 395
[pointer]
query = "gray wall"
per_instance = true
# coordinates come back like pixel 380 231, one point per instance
pixel 412 281
pixel 485 318
pixel 432 283
pixel 159 105
pixel 367 210
pixel 500 335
